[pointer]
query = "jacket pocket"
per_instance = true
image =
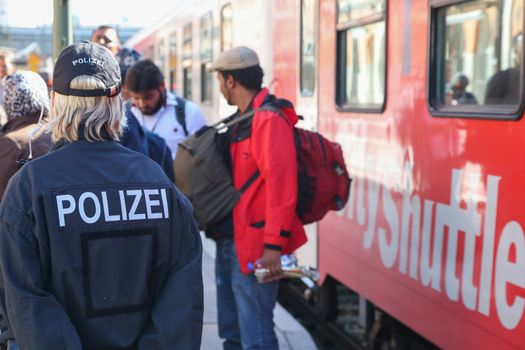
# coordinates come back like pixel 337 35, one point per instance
pixel 118 270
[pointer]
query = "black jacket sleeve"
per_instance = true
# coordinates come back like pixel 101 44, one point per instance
pixel 177 314
pixel 34 316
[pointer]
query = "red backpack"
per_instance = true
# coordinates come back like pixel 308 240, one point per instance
pixel 323 179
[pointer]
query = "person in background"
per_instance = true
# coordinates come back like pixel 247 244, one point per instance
pixel 265 224
pixel 107 36
pixel 26 101
pixel 98 249
pixel 4 70
pixel 135 136
pixel 158 110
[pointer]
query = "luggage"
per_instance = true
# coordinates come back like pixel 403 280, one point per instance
pixel 323 181
pixel 200 173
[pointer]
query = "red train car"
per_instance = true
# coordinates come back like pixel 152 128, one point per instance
pixel 426 99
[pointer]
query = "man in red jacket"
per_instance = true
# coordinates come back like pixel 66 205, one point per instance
pixel 262 156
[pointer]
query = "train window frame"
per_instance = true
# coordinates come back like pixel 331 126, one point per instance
pixel 187 61
pixel 304 91
pixel 435 106
pixel 206 57
pixel 173 63
pixel 225 47
pixel 340 48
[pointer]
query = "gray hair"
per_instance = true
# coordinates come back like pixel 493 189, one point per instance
pixel 100 116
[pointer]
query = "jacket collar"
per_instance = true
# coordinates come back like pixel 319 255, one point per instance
pixel 19 122
pixel 81 137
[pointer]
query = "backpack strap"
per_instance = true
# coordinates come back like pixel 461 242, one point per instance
pixel 180 113
pixel 265 107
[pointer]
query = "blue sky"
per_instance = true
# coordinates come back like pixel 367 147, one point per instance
pixel 32 13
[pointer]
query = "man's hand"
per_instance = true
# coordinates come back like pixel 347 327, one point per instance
pixel 271 260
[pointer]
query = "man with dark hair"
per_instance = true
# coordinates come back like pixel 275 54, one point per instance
pixel 107 36
pixel 261 152
pixel 159 110
pixel 98 249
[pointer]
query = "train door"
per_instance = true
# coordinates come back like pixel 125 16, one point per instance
pixel 307 98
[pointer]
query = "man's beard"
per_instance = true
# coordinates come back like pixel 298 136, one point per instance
pixel 152 111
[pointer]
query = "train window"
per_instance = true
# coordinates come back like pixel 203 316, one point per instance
pixel 226 27
pixel 361 51
pixel 476 67
pixel 161 56
pixel 206 29
pixel 308 46
pixel 187 60
pixel 173 62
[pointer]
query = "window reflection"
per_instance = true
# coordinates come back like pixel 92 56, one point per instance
pixel 361 54
pixel 481 53
pixel 187 60
pixel 206 27
pixel 308 46
pixel 226 27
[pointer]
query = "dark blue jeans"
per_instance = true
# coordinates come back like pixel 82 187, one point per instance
pixel 245 307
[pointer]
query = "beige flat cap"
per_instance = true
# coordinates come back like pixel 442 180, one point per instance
pixel 239 57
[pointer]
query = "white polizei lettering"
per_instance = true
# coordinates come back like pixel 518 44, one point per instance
pixel 88 60
pixel 453 217
pixel 81 210
pixel 152 203
pixel 62 212
pixel 123 209
pixel 164 203
pixel 373 203
pixel 411 210
pixel 429 270
pixel 508 272
pixel 487 257
pixel 132 215
pixel 469 293
pixel 388 252
pixel 361 214
pixel 107 216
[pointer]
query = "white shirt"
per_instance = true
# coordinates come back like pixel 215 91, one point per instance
pixel 164 123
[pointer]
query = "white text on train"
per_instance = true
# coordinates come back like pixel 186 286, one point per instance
pixel 420 248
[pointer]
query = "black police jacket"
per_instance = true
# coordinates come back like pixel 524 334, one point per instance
pixel 98 250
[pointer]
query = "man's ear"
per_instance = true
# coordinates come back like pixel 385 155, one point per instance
pixel 230 82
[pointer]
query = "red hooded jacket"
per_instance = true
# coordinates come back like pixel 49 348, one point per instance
pixel 265 216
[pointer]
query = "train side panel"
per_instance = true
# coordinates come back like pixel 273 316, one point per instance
pixel 433 230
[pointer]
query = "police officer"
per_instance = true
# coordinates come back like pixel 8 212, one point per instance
pixel 97 247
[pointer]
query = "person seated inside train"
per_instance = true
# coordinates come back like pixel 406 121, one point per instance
pixel 458 94
pixel 503 88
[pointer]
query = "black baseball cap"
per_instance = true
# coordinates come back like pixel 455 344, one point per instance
pixel 86 58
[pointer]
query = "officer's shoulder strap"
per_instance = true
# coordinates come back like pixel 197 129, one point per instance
pixel 180 113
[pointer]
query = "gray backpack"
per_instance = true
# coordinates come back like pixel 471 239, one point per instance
pixel 200 173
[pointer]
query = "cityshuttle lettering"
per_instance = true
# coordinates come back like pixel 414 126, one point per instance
pixel 90 207
pixel 429 240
